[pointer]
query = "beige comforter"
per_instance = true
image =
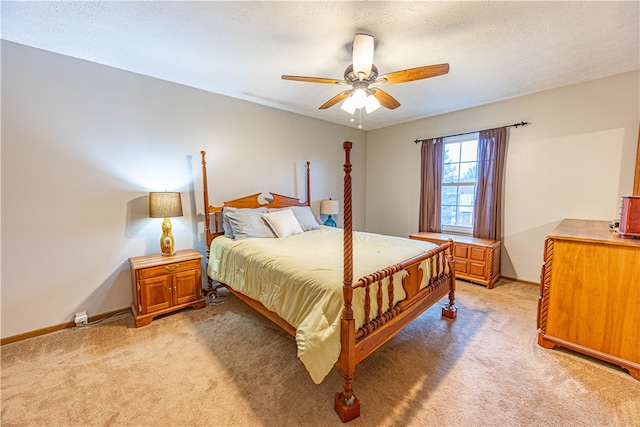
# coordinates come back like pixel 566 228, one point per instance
pixel 300 278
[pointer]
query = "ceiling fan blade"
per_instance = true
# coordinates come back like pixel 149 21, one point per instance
pixel 412 74
pixel 333 101
pixel 385 99
pixel 362 54
pixel 314 80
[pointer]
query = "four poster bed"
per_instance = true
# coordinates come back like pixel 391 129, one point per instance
pixel 303 278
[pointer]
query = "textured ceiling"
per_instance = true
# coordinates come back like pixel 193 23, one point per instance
pixel 496 50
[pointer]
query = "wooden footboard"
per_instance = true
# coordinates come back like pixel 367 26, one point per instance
pixel 381 326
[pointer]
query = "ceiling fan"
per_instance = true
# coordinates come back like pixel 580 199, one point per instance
pixel 362 74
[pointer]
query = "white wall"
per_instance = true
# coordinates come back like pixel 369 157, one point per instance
pixel 574 161
pixel 83 144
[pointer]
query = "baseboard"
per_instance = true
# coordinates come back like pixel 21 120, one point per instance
pixel 55 328
pixel 513 279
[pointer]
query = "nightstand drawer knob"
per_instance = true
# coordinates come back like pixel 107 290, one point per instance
pixel 172 268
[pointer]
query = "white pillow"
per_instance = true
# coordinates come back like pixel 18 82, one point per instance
pixel 245 223
pixel 305 218
pixel 283 223
pixel 304 215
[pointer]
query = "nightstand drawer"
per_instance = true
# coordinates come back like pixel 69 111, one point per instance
pixel 174 267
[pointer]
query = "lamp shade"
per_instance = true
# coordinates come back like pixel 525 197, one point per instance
pixel 329 207
pixel 165 205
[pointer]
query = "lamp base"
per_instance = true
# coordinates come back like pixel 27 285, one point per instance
pixel 330 222
pixel 166 240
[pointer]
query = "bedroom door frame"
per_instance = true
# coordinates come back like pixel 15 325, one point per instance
pixel 636 176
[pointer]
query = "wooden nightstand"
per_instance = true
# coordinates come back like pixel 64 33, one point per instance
pixel 475 260
pixel 162 284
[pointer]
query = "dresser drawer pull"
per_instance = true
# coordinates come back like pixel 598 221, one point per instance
pixel 172 268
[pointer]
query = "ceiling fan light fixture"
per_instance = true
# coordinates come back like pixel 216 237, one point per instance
pixel 359 97
pixel 349 105
pixel 371 104
pixel 362 55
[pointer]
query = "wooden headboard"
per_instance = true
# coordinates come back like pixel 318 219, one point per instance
pixel 252 201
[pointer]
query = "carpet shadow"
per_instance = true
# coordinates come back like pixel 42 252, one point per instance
pixel 259 360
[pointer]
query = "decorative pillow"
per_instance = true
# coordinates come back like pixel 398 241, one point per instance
pixel 283 223
pixel 245 223
pixel 304 215
pixel 306 218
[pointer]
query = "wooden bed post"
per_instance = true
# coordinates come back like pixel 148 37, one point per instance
pixel 450 310
pixel 205 191
pixel 308 184
pixel 208 237
pixel 346 404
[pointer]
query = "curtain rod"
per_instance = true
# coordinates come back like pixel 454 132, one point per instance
pixel 515 125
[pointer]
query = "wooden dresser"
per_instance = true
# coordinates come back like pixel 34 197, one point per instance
pixel 590 293
pixel 475 260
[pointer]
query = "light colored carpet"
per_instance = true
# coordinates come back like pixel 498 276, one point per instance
pixel 225 365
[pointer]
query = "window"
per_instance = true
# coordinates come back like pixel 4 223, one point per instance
pixel 459 179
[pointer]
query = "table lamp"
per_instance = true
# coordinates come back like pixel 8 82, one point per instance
pixel 165 205
pixel 329 207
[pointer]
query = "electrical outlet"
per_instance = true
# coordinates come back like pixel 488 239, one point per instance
pixel 82 318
